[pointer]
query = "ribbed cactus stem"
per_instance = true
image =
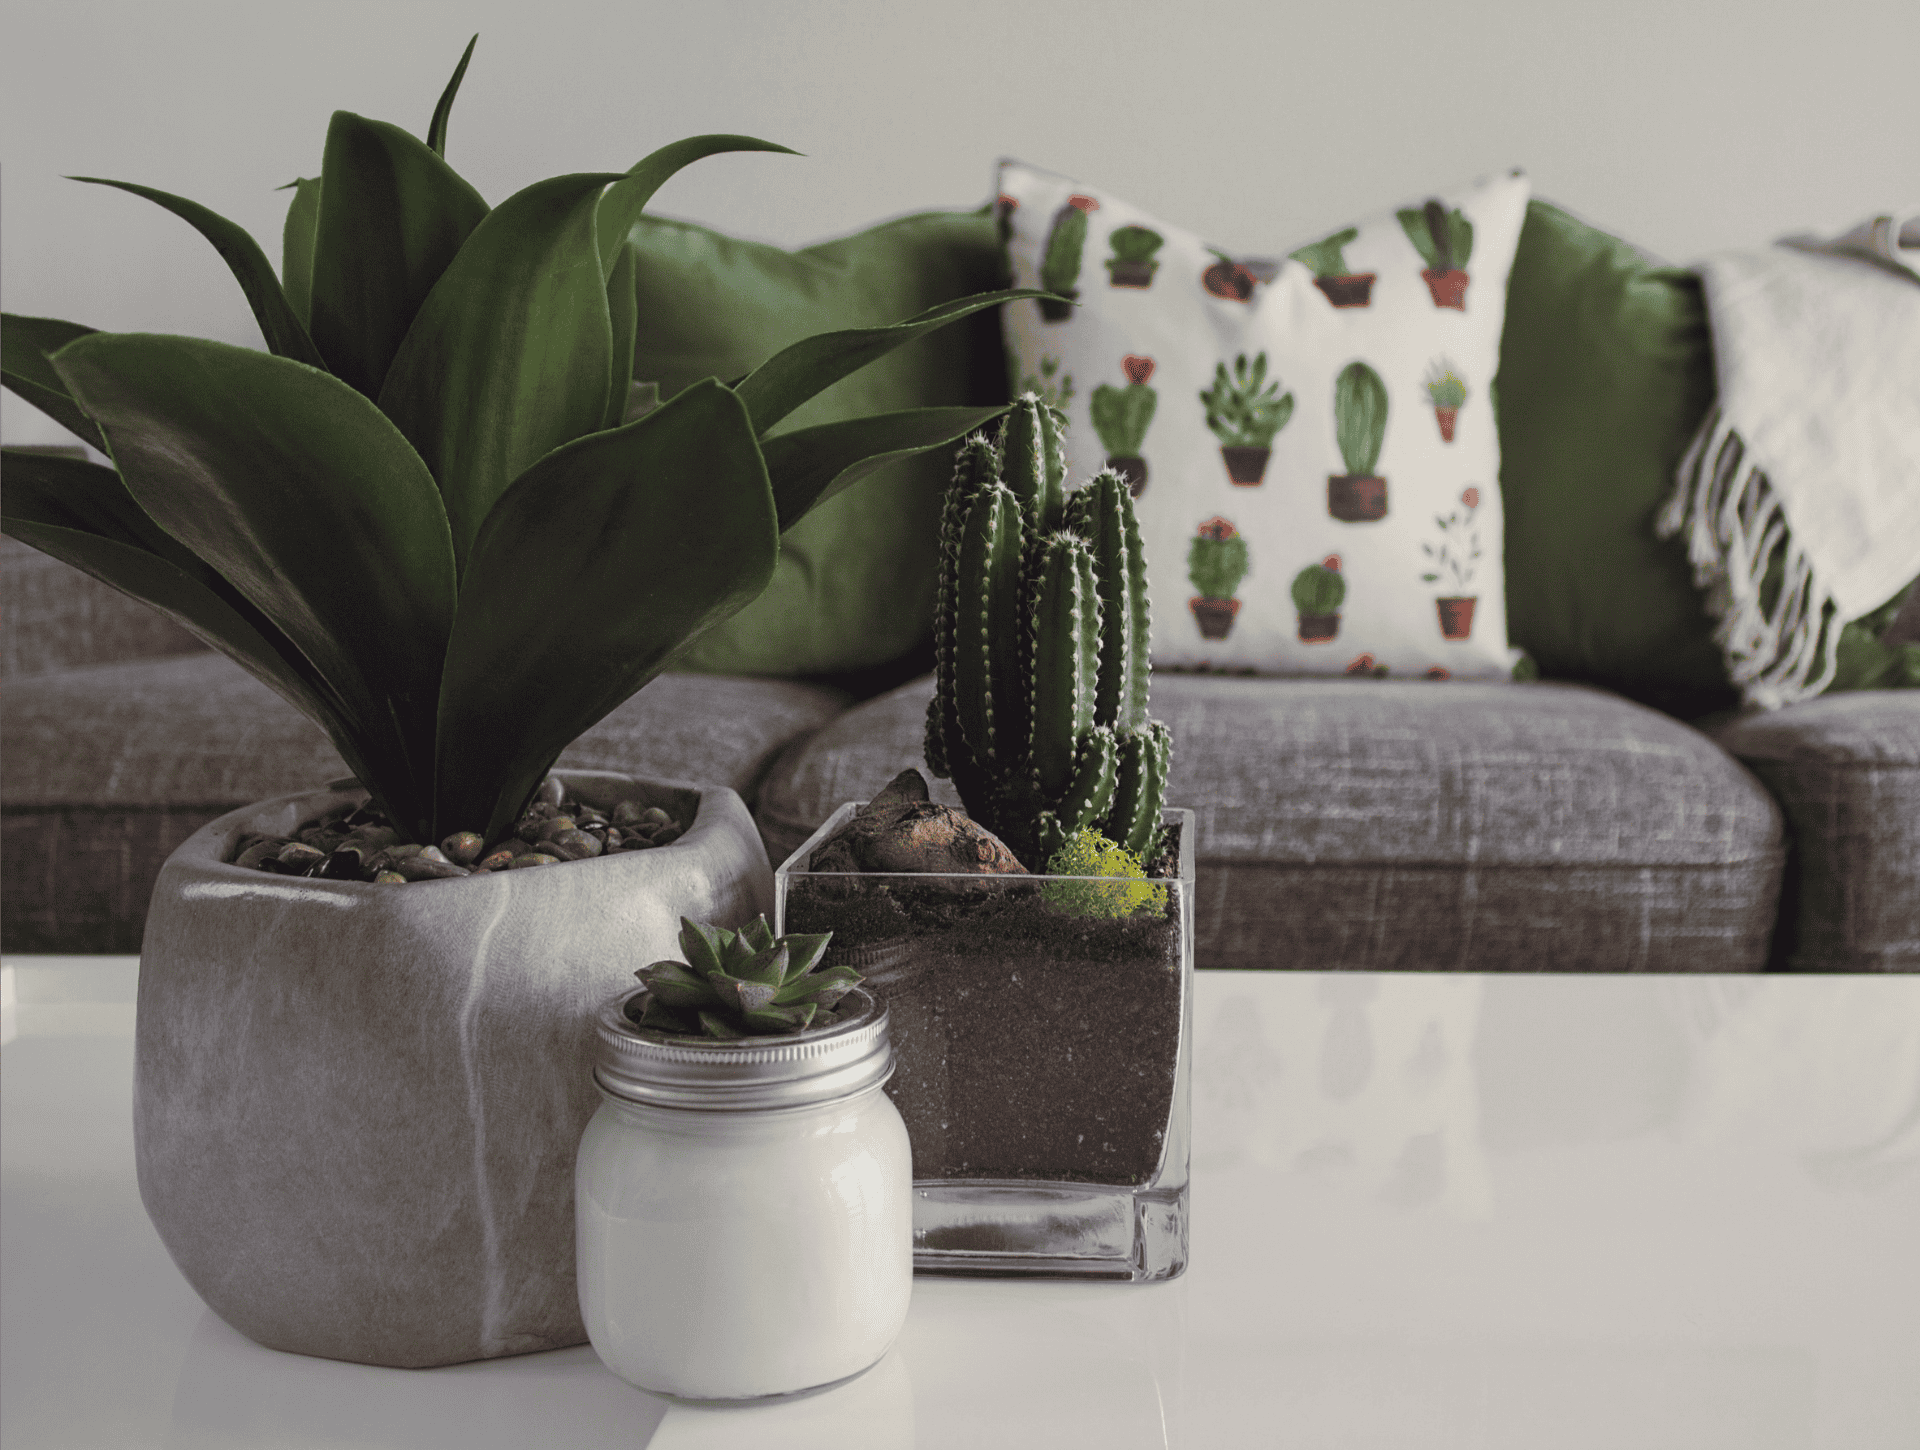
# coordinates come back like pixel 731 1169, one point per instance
pixel 1034 456
pixel 976 468
pixel 1099 514
pixel 1139 787
pixel 1065 610
pixel 989 690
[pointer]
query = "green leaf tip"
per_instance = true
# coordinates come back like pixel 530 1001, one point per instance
pixel 437 130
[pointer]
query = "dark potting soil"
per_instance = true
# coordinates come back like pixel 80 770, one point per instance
pixel 1031 1042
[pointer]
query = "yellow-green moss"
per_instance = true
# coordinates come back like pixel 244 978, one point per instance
pixel 1088 853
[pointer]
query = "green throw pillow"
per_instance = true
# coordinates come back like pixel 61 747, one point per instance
pixel 854 586
pixel 1606 370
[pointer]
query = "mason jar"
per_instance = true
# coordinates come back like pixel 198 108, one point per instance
pixel 743 1208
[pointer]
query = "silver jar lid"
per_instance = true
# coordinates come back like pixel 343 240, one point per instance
pixel 745 1074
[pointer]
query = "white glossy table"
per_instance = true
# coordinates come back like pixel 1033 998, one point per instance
pixel 1545 1213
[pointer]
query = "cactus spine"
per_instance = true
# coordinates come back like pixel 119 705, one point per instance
pixel 1039 714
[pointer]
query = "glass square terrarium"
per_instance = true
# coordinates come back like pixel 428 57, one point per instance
pixel 1044 1048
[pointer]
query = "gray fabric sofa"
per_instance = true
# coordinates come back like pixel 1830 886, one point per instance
pixel 1342 824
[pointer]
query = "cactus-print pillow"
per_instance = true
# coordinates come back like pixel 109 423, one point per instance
pixel 1309 438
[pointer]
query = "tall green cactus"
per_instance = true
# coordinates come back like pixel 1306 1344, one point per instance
pixel 1039 714
pixel 1359 416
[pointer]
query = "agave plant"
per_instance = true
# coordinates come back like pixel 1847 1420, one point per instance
pixel 745 983
pixel 427 515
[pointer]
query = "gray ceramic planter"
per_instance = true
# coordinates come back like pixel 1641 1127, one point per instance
pixel 356 1107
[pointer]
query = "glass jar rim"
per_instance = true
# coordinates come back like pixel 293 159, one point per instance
pixel 747 1074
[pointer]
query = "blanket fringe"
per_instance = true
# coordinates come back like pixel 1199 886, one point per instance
pixel 1776 653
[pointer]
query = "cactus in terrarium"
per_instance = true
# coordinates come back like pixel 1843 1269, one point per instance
pixel 1133 263
pixel 1318 590
pixel 1443 238
pixel 1327 257
pixel 1039 714
pixel 745 983
pixel 1060 265
pixel 1245 410
pixel 1217 559
pixel 1359 416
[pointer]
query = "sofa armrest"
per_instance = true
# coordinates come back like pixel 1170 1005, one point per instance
pixel 1845 769
pixel 53 617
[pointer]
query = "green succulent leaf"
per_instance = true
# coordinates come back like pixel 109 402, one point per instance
pixel 804 951
pixel 296 246
pixel 285 334
pixel 393 215
pixel 509 356
pixel 772 1019
pixel 758 935
pixel 26 344
pixel 272 473
pixel 825 988
pixel 623 313
pixel 793 375
pixel 674 984
pixel 443 108
pixel 811 465
pixel 601 561
pixel 718 1027
pixel 742 995
pixel 703 946
pixel 769 966
pixel 621 207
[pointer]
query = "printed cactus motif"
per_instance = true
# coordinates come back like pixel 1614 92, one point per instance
pixel 1319 589
pixel 1327 257
pixel 1121 416
pixel 1054 387
pixel 1039 715
pixel 1060 267
pixel 1216 563
pixel 1444 240
pixel 1447 390
pixel 1133 263
pixel 1244 410
pixel 1360 417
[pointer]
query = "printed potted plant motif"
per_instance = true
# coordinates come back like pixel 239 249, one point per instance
pixel 1444 240
pixel 1050 385
pixel 1004 207
pixel 1121 416
pixel 1318 592
pixel 1358 496
pixel 1229 279
pixel 1216 563
pixel 1448 391
pixel 1244 411
pixel 1455 559
pixel 1327 260
pixel 1060 267
pixel 1133 263
pixel 1365 666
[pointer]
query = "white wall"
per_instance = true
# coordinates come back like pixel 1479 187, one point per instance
pixel 1683 127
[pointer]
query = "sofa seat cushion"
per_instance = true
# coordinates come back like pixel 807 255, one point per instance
pixel 1386 825
pixel 1846 771
pixel 109 767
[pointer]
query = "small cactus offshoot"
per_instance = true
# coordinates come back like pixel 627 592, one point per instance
pixel 745 983
pixel 1245 410
pixel 1122 891
pixel 1039 714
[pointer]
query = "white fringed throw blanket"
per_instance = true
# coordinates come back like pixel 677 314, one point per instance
pixel 1810 459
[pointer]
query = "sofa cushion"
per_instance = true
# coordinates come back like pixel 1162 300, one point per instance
pixel 1406 825
pixel 853 587
pixel 53 617
pixel 1606 369
pixel 1310 439
pixel 108 768
pixel 1846 771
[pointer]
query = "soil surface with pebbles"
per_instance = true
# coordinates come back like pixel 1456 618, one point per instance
pixel 358 843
